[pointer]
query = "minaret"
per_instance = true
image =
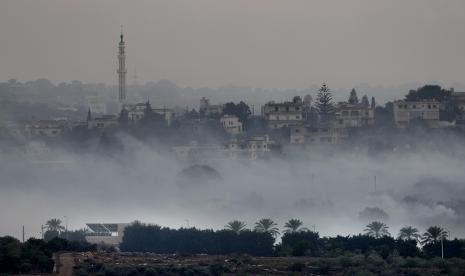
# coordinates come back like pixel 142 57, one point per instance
pixel 121 70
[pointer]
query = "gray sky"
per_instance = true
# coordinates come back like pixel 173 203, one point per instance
pixel 260 43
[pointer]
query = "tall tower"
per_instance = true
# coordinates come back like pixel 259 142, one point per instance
pixel 121 70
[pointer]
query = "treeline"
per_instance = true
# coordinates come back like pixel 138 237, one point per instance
pixel 34 255
pixel 153 238
pixel 296 241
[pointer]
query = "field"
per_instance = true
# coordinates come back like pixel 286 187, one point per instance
pixel 163 264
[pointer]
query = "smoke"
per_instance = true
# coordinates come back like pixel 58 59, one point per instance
pixel 333 192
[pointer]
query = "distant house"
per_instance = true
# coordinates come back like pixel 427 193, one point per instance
pixel 250 148
pixel 406 111
pixel 137 111
pixel 285 114
pixel 106 233
pixel 353 115
pixel 307 135
pixel 231 124
pixel 46 128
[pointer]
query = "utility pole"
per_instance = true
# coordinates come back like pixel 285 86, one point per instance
pixel 66 229
pixel 313 179
pixel 375 183
pixel 23 233
pixel 442 246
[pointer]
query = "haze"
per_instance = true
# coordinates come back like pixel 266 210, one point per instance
pixel 283 44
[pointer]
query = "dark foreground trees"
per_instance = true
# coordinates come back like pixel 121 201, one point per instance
pixel 157 239
pixel 35 255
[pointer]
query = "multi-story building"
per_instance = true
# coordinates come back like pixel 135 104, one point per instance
pixel 136 112
pixel 353 115
pixel 106 233
pixel 231 124
pixel 46 128
pixel 284 114
pixel 406 111
pixel 251 148
pixel 307 135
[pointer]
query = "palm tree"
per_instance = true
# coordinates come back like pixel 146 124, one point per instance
pixel 54 225
pixel 434 234
pixel 409 233
pixel 236 226
pixel 267 225
pixel 294 225
pixel 377 229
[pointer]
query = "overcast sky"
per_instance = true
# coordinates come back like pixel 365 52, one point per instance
pixel 267 43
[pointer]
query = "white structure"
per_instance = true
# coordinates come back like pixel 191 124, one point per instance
pixel 302 135
pixel 406 111
pixel 354 115
pixel 284 114
pixel 231 124
pixel 106 233
pixel 121 70
pixel 252 148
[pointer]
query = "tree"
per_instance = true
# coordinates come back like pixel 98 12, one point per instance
pixel 294 225
pixel 353 99
pixel 236 226
pixel 324 104
pixel 409 233
pixel 240 110
pixel 433 234
pixel 365 102
pixel 89 115
pixel 373 103
pixel 429 92
pixel 377 229
pixel 54 225
pixel 267 225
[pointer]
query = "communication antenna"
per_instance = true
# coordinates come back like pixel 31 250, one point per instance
pixel 375 183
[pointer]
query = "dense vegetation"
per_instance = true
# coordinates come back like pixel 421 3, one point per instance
pixel 153 238
pixel 296 241
pixel 34 255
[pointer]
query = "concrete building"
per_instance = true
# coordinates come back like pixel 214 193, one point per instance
pixel 208 109
pixel 231 124
pixel 307 135
pixel 353 115
pixel 136 112
pixel 46 128
pixel 106 233
pixel 406 111
pixel 250 148
pixel 284 114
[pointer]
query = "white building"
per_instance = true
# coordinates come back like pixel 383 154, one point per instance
pixel 106 233
pixel 284 114
pixel 353 115
pixel 252 148
pixel 231 124
pixel 406 111
pixel 304 135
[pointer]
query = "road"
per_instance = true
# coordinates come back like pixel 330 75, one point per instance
pixel 66 265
